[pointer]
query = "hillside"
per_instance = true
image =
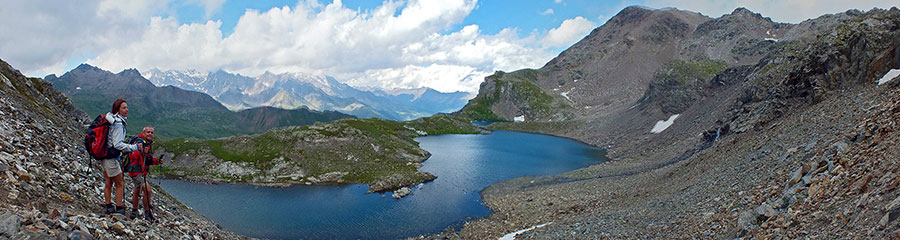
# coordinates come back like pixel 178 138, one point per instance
pixel 318 92
pixel 380 153
pixel 173 111
pixel 774 130
pixel 50 190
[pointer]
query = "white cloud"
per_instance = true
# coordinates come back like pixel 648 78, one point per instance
pixel 547 12
pixel 41 35
pixel 395 45
pixel 569 32
pixel 792 11
pixel 462 78
pixel 558 1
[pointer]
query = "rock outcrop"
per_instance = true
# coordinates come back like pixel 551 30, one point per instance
pixel 380 153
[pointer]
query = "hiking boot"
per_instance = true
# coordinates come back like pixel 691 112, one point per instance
pixel 120 210
pixel 135 214
pixel 109 208
pixel 148 215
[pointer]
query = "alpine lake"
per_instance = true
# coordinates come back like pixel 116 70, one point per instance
pixel 464 164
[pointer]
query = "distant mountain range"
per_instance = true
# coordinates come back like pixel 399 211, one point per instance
pixel 175 112
pixel 318 92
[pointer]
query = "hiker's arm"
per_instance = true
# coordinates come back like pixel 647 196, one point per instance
pixel 118 136
pixel 156 161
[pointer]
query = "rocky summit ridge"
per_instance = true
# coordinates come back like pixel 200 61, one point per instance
pixel 318 92
pixel 51 190
pixel 774 130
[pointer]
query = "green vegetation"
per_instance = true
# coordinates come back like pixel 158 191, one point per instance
pixel 203 123
pixel 479 108
pixel 519 86
pixel 364 151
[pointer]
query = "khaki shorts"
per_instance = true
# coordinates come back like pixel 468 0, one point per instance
pixel 139 180
pixel 112 167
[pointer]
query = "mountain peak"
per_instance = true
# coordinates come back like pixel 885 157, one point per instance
pixel 87 67
pixel 130 72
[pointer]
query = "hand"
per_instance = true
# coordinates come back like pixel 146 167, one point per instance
pixel 146 149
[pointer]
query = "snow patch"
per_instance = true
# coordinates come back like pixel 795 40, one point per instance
pixel 662 125
pixel 77 88
pixel 771 37
pixel 566 94
pixel 512 235
pixel 893 73
pixel 519 118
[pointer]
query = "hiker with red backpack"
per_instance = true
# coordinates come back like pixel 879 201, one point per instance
pixel 138 167
pixel 112 169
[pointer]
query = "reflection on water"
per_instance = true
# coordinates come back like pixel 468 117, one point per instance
pixel 464 164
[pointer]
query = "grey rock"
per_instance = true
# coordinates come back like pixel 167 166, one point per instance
pixel 119 228
pixel 9 224
pixel 764 210
pixel 747 220
pixel 402 192
pixel 80 235
pixel 840 146
pixel 779 203
pixel 806 180
pixel 64 225
pixel 796 176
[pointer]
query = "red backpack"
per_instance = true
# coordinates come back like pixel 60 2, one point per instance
pixel 96 138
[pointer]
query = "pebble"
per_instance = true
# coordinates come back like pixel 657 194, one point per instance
pixel 119 228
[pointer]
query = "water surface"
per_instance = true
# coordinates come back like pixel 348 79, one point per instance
pixel 464 164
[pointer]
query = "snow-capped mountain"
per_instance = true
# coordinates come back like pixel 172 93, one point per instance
pixel 318 92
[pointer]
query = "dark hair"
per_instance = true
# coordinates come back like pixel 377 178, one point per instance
pixel 116 105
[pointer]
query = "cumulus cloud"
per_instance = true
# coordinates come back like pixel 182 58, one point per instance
pixel 547 12
pixel 395 45
pixel 792 11
pixel 569 32
pixel 41 35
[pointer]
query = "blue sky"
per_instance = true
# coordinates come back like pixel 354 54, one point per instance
pixel 449 45
pixel 492 15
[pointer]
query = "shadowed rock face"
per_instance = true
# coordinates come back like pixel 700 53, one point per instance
pixel 756 102
pixel 608 71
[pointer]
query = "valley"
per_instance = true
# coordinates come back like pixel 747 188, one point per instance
pixel 659 124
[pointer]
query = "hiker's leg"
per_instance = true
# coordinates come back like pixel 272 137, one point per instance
pixel 120 189
pixel 136 197
pixel 107 188
pixel 147 193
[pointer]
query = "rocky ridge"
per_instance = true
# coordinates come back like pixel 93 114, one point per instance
pixel 51 190
pixel 172 111
pixel 797 144
pixel 318 92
